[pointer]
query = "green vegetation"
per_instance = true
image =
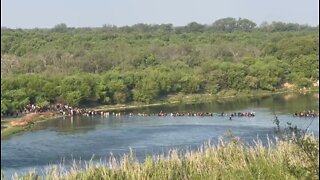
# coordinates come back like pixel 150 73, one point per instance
pixel 149 63
pixel 10 129
pixel 284 159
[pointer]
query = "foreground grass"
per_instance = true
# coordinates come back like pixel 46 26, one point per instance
pixel 226 160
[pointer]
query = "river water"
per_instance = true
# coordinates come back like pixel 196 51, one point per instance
pixel 62 140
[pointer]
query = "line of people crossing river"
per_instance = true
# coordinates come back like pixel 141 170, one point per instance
pixel 306 114
pixel 72 111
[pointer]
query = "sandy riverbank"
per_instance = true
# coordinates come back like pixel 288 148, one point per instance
pixel 27 122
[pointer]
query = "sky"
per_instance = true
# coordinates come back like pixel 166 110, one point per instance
pixel 96 13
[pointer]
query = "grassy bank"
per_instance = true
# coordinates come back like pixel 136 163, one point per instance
pixel 201 98
pixel 28 122
pixel 226 160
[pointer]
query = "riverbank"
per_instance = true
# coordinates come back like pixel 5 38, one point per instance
pixel 12 126
pixel 18 125
pixel 229 159
pixel 199 98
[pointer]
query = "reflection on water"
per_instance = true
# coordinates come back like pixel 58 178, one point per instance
pixel 278 103
pixel 71 125
pixel 80 137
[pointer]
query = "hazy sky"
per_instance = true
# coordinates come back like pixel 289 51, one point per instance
pixel 95 13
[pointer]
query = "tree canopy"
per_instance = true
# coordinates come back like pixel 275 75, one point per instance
pixel 142 63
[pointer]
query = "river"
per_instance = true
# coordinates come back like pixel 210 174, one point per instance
pixel 74 138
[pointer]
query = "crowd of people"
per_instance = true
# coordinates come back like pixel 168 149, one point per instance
pixel 67 110
pixel 306 114
pixel 161 113
pixel 240 114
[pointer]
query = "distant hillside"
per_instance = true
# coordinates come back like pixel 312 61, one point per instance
pixel 141 63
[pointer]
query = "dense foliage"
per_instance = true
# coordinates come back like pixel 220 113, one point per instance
pixel 143 63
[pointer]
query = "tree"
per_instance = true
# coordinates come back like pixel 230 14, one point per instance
pixel 189 84
pixel 73 98
pixel 195 27
pixel 42 102
pixel 5 105
pixel 245 25
pixel 62 27
pixel 251 82
pixel 225 24
pixel 119 97
pixel 268 71
pixel 146 90
pixel 17 99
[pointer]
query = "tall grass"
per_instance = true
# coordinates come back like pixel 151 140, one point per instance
pixel 228 159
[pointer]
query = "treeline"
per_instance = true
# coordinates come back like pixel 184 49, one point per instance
pixel 228 24
pixel 111 65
